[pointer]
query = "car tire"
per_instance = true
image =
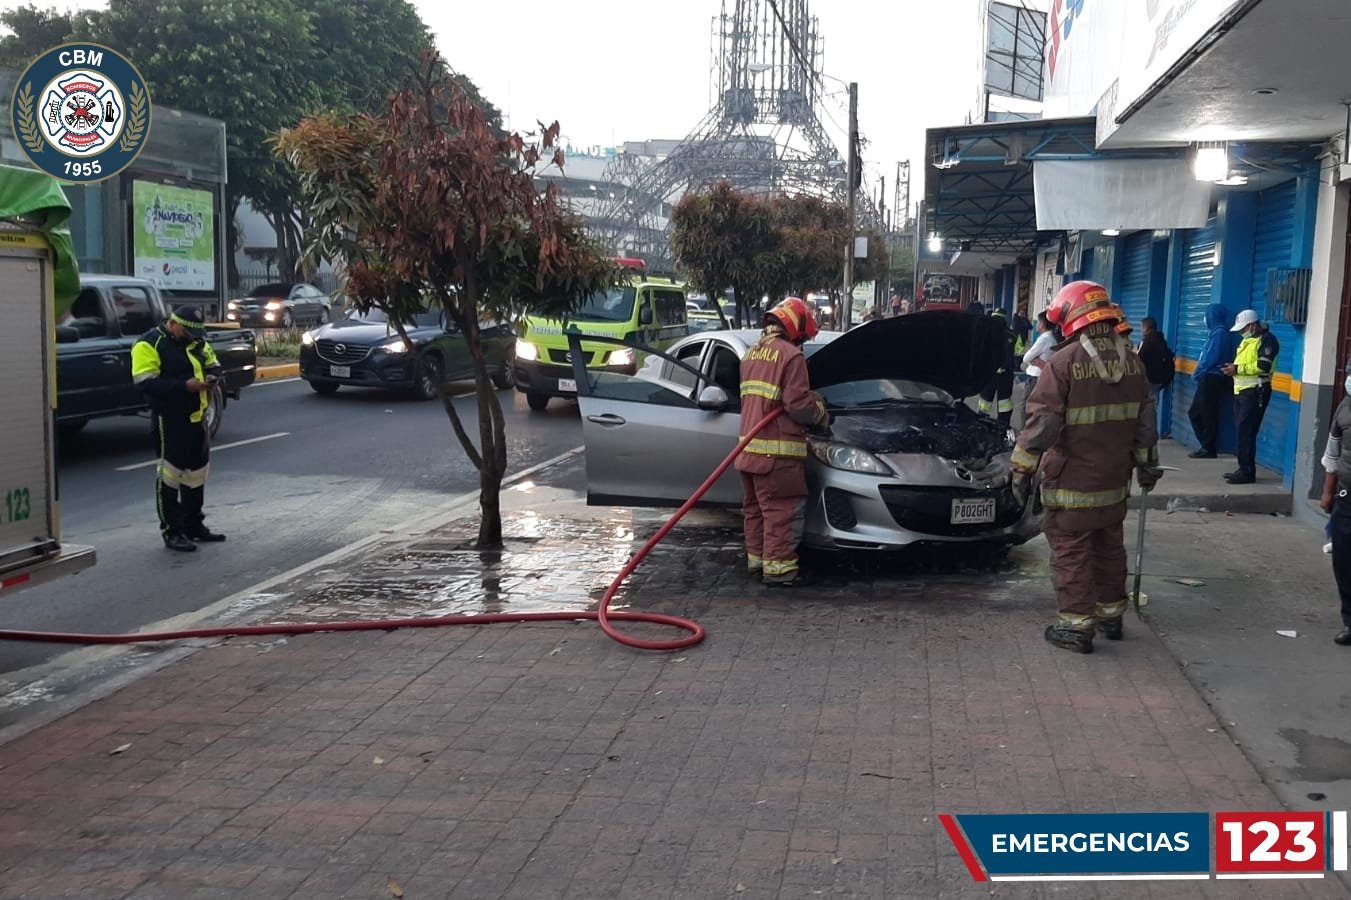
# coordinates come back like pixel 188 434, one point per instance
pixel 537 402
pixel 288 320
pixel 430 377
pixel 504 379
pixel 324 388
pixel 215 411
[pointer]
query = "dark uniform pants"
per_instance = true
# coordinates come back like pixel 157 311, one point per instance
pixel 1088 563
pixel 184 452
pixel 997 398
pixel 774 516
pixel 1340 528
pixel 1249 408
pixel 1204 412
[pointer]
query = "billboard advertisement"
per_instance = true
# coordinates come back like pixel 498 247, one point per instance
pixel 173 236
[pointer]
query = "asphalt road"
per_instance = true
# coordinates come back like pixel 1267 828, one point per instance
pixel 310 474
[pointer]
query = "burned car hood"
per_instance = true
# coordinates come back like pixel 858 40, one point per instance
pixel 949 431
pixel 956 351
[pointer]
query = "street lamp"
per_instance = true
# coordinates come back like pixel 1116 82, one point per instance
pixel 935 244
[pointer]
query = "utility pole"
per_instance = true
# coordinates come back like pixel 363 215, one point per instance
pixel 880 287
pixel 848 298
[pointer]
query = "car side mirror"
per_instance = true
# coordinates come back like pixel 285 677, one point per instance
pixel 645 315
pixel 67 334
pixel 713 399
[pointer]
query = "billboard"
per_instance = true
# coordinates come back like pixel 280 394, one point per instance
pixel 173 236
pixel 1015 41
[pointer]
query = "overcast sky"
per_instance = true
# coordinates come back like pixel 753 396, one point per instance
pixel 624 70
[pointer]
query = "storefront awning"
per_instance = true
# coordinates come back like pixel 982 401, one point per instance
pixel 1128 194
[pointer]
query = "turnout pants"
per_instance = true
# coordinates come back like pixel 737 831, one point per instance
pixel 1204 412
pixel 1340 529
pixel 181 477
pixel 1088 564
pixel 775 504
pixel 997 398
pixel 1249 408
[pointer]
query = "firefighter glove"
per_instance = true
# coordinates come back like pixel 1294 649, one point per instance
pixel 1021 486
pixel 1148 476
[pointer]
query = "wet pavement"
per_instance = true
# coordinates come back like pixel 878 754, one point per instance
pixel 805 749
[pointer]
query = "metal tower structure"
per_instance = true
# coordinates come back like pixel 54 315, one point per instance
pixel 763 132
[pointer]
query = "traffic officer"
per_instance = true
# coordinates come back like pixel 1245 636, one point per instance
pixel 773 465
pixel 176 369
pixel 1254 364
pixel 1337 501
pixel 1090 421
pixel 996 400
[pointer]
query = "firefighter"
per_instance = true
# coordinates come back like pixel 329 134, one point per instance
pixel 1090 422
pixel 996 400
pixel 773 465
pixel 177 369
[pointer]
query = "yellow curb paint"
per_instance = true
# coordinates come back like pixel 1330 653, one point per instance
pixel 288 371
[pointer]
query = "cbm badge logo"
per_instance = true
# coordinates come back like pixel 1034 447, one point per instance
pixel 81 112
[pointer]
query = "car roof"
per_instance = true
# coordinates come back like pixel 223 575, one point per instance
pixel 103 278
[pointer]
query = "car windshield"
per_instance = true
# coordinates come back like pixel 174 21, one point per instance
pixel 878 391
pixel 614 305
pixel 378 317
pixel 271 290
pixel 704 323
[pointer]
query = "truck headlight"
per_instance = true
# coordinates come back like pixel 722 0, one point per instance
pixel 526 350
pixel 307 339
pixel 395 346
pixel 624 357
pixel 847 458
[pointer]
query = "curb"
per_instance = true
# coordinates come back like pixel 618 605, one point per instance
pixel 290 370
pixel 93 673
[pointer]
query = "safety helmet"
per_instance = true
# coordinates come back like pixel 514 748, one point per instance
pixel 1080 304
pixel 1123 327
pixel 796 317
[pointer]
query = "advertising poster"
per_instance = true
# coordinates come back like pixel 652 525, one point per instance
pixel 174 236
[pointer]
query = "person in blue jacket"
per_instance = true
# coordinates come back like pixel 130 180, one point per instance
pixel 1213 387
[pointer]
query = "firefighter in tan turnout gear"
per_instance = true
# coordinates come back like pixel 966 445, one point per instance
pixel 1090 423
pixel 774 464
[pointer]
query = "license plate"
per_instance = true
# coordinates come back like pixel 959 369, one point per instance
pixel 340 371
pixel 567 384
pixel 973 512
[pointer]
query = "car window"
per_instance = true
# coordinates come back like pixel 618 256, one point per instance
pixel 134 312
pixel 689 355
pixel 613 386
pixel 671 308
pixel 86 315
pixel 724 370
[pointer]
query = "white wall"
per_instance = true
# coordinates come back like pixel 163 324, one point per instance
pixel 1321 365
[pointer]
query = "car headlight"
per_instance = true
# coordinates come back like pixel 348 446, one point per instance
pixel 624 357
pixel 275 304
pixel 232 305
pixel 1011 437
pixel 395 346
pixel 526 350
pixel 825 310
pixel 307 338
pixel 850 459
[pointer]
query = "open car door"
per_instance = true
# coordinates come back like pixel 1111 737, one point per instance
pixel 652 439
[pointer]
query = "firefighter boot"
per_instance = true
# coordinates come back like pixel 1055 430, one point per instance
pixel 1070 638
pixel 1111 629
pixel 1109 618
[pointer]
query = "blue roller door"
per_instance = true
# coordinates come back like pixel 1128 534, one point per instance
pixel 1135 271
pixel 1273 248
pixel 1198 278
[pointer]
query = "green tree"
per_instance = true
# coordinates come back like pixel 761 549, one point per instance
pixel 813 233
pixel 35 30
pixel 428 204
pixel 717 237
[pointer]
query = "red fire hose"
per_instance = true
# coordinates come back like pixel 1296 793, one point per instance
pixel 602 614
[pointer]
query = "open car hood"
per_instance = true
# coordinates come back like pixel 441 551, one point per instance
pixel 956 351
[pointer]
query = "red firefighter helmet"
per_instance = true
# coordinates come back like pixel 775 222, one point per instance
pixel 1080 304
pixel 797 319
pixel 1123 325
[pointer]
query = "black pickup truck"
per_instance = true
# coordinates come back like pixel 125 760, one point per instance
pixel 93 353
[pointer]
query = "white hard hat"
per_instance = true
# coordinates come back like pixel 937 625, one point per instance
pixel 1245 318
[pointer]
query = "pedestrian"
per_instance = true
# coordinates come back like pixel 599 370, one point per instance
pixel 1337 501
pixel 774 464
pixel 1154 352
pixel 1254 364
pixel 1212 385
pixel 176 369
pixel 895 303
pixel 1090 422
pixel 996 400
pixel 1041 351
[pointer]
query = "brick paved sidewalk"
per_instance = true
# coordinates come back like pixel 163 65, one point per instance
pixel 804 750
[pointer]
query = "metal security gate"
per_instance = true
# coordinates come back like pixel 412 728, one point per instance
pixel 1136 263
pixel 1198 279
pixel 1273 248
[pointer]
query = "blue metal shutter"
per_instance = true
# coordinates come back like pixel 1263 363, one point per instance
pixel 1273 248
pixel 1135 272
pixel 1198 276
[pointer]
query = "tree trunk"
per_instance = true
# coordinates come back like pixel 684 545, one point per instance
pixel 231 241
pixel 492 438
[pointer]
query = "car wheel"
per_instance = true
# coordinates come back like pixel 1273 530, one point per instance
pixel 537 402
pixel 430 377
pixel 70 428
pixel 287 320
pixel 215 411
pixel 324 387
pixel 505 378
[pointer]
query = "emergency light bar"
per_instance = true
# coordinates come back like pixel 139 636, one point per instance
pixel 629 262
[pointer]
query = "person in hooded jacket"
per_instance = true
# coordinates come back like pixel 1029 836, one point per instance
pixel 1213 387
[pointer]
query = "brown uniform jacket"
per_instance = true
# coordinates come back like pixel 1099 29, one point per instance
pixel 1089 423
pixel 774 374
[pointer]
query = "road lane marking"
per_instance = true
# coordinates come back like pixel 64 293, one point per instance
pixel 155 462
pixel 267 381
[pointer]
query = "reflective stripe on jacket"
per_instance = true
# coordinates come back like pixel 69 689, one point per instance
pixel 774 374
pixel 1088 432
pixel 161 367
